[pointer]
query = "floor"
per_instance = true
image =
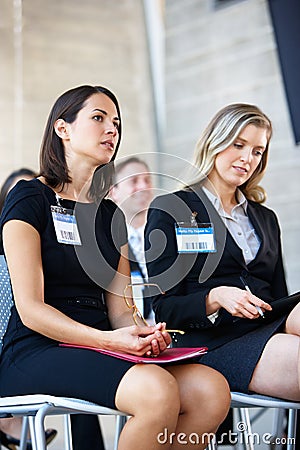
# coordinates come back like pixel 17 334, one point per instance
pixel 107 427
pixel 262 430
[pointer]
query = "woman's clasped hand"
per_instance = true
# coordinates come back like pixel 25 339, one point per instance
pixel 141 340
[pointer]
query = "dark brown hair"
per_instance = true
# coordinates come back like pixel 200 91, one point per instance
pixel 9 181
pixel 53 166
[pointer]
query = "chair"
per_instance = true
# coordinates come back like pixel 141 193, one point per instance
pixel 37 407
pixel 5 299
pixel 245 401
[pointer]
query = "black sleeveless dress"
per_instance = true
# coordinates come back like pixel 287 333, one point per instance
pixel 76 279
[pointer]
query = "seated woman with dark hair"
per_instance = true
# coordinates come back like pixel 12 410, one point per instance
pixel 71 289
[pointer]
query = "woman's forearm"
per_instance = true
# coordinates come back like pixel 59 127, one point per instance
pixel 50 322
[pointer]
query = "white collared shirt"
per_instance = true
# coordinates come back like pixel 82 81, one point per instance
pixel 238 224
pixel 136 241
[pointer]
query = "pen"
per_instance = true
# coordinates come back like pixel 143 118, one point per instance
pixel 260 312
pixel 175 331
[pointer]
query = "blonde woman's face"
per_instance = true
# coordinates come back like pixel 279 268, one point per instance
pixel 236 164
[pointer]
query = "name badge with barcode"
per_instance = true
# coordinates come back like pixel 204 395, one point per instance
pixel 65 226
pixel 192 239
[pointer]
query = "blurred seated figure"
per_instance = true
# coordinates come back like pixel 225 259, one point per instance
pixel 132 191
pixel 10 429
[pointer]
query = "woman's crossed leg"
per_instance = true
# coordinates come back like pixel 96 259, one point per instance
pixel 171 408
pixel 278 371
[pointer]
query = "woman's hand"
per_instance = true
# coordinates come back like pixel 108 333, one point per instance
pixel 237 302
pixel 161 341
pixel 138 340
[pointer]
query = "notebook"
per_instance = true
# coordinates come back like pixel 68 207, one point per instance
pixel 284 305
pixel 169 355
pixel 280 307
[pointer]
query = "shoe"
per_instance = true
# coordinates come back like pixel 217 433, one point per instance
pixel 12 443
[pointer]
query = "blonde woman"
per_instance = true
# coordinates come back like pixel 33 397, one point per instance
pixel 216 252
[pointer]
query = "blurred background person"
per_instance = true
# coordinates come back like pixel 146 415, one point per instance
pixel 132 191
pixel 21 174
pixel 10 429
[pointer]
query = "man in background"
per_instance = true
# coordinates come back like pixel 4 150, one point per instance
pixel 133 192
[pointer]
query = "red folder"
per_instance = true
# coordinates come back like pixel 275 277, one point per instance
pixel 169 355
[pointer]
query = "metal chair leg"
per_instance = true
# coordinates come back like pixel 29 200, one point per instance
pixel 292 424
pixel 68 432
pixel 213 444
pixel 33 432
pixel 24 433
pixel 277 429
pixel 39 429
pixel 245 428
pixel 120 422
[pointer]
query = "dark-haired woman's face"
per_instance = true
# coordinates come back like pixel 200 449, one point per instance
pixel 94 134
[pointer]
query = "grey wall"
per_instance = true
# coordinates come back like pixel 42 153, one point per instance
pixel 216 56
pixel 62 44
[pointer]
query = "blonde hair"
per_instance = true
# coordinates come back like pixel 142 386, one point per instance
pixel 221 132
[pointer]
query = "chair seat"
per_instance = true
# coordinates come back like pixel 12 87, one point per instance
pixel 38 406
pixel 241 400
pixel 33 402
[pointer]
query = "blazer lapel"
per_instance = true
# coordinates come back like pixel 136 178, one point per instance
pixel 255 219
pixel 257 222
pixel 208 212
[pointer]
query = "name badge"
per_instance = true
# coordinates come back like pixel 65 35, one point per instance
pixel 65 226
pixel 195 239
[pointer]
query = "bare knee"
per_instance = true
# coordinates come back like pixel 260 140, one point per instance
pixel 204 392
pixel 293 321
pixel 281 358
pixel 215 393
pixel 149 390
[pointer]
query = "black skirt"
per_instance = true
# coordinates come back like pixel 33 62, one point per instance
pixel 35 364
pixel 237 359
pixel 41 366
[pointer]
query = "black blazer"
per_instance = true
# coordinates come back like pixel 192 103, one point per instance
pixel 188 278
